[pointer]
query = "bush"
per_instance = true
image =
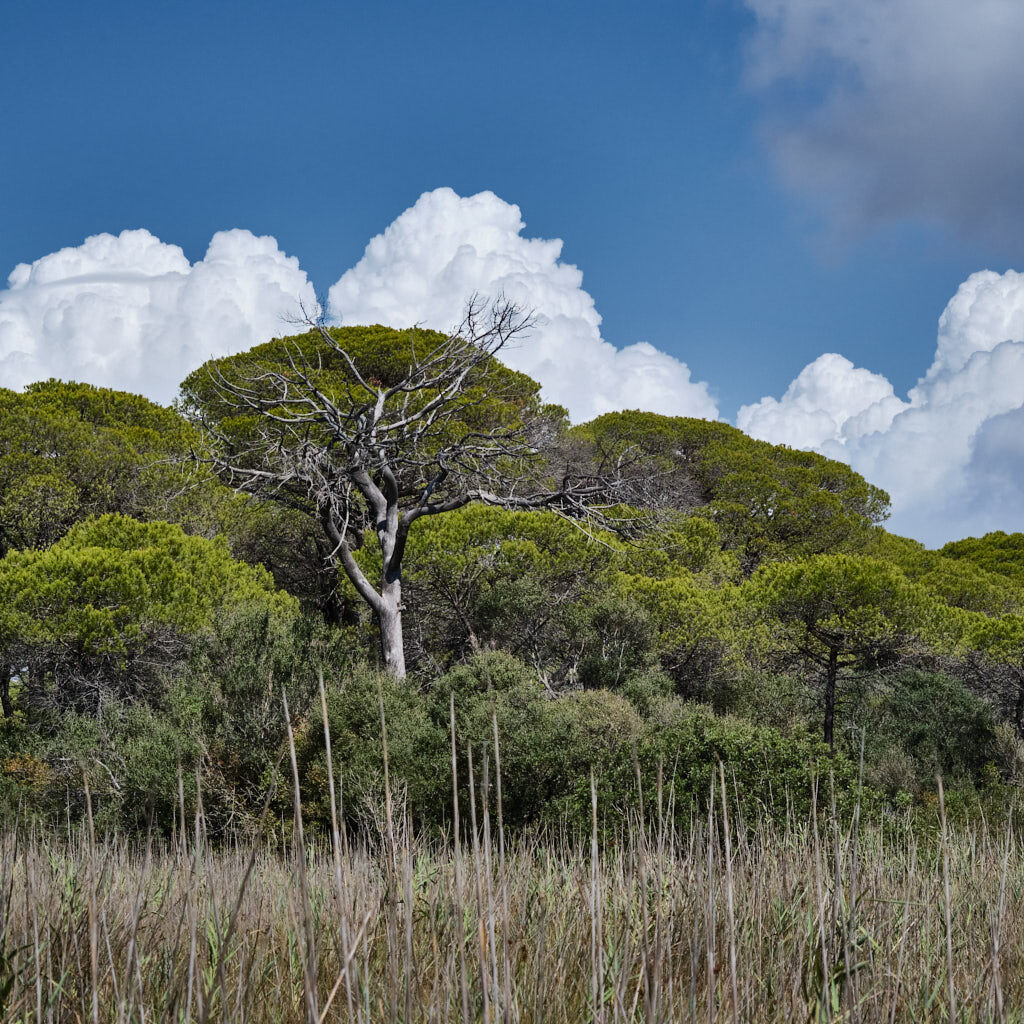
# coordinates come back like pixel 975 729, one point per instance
pixel 101 612
pixel 927 724
pixel 547 744
pixel 417 750
pixel 220 715
pixel 548 747
pixel 767 773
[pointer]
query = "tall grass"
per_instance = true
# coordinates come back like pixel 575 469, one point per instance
pixel 653 920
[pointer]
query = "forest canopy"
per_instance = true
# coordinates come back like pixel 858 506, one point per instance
pixel 614 596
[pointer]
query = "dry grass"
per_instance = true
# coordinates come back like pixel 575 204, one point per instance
pixel 716 921
pixel 807 921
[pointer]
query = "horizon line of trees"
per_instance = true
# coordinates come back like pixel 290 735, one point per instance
pixel 352 498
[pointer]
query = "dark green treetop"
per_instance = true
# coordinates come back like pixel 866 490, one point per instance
pixel 842 614
pixel 107 605
pixel 370 429
pixel 997 552
pixel 769 501
pixel 71 451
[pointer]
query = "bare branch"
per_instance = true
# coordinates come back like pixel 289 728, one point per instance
pixel 320 433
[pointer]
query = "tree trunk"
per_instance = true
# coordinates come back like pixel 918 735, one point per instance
pixel 1018 711
pixel 5 693
pixel 392 533
pixel 830 696
pixel 392 536
pixel 392 644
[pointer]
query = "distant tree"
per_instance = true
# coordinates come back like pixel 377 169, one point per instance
pixel 840 614
pixel 373 429
pixel 998 646
pixel 768 501
pixel 998 552
pixel 974 584
pixel 105 607
pixel 483 578
pixel 962 584
pixel 70 451
pixel 693 625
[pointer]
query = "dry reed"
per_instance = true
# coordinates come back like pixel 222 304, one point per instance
pixel 713 921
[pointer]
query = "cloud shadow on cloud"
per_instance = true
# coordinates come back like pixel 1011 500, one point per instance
pixel 885 110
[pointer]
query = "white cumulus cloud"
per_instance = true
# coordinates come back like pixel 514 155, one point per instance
pixel 446 247
pixel 129 311
pixel 951 455
pixel 830 401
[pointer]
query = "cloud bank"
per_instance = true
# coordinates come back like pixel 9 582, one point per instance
pixel 952 454
pixel 888 109
pixel 830 401
pixel 444 248
pixel 129 311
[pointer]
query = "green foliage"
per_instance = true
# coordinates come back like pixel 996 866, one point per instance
pixel 482 578
pixel 996 651
pixel 767 500
pixel 771 501
pixel 765 770
pixel 865 610
pixel 131 756
pixel 218 720
pixel 383 356
pixel 142 656
pixel 280 539
pixel 999 552
pixel 1001 638
pixel 959 581
pixel 112 599
pixel 641 689
pixel 961 584
pixel 838 614
pixel 684 544
pixel 548 748
pixel 496 397
pixel 694 626
pixel 233 691
pixel 417 751
pixel 485 674
pixel 72 451
pixel 920 724
pixel 910 555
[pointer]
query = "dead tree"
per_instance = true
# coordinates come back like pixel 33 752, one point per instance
pixel 307 425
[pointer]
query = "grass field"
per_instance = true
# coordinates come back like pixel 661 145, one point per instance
pixel 809 920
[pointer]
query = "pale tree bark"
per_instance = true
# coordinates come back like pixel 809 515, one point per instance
pixel 368 458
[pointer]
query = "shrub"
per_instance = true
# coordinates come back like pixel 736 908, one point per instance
pixel 766 771
pixel 933 725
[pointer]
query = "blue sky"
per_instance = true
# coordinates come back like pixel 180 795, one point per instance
pixel 681 152
pixel 623 129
